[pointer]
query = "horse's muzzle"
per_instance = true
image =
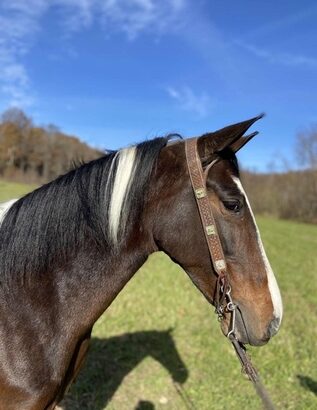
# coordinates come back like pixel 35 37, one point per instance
pixel 247 332
pixel 274 326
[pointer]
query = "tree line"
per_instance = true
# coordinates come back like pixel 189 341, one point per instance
pixel 287 195
pixel 30 153
pixel 290 194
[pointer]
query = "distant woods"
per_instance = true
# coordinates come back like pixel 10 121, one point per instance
pixel 30 153
pixel 289 194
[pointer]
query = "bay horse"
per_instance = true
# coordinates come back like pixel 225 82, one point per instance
pixel 69 247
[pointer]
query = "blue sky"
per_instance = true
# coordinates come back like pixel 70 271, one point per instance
pixel 115 72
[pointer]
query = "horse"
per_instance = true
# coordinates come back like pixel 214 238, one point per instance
pixel 69 247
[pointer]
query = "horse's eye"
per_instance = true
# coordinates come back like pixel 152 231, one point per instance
pixel 233 206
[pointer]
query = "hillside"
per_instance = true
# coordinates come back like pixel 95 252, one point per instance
pixel 32 153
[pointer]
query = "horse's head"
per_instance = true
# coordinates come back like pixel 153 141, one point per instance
pixel 178 231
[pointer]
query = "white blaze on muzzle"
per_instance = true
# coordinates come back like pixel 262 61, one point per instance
pixel 272 283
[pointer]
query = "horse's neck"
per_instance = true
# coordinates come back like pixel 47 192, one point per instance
pixel 96 280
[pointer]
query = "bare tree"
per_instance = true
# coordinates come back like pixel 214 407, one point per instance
pixel 306 147
pixel 16 116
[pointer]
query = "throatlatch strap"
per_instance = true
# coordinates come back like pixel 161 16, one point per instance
pixel 199 186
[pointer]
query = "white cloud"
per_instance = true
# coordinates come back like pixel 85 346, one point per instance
pixel 18 26
pixel 282 23
pixel 198 104
pixel 135 16
pixel 286 59
pixel 77 14
pixel 20 23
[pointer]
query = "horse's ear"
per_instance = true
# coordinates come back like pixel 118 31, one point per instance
pixel 238 144
pixel 215 142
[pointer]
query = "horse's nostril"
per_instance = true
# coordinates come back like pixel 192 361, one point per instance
pixel 274 326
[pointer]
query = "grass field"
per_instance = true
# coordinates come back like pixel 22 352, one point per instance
pixel 10 190
pixel 159 345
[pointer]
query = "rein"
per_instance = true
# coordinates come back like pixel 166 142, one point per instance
pixel 222 298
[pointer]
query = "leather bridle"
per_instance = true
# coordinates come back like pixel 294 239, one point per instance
pixel 222 296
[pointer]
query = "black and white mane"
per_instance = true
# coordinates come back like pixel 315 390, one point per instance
pixel 98 200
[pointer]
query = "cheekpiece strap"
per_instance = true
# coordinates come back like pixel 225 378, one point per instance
pixel 198 181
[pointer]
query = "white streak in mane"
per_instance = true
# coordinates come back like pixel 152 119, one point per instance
pixel 273 286
pixel 4 207
pixel 125 173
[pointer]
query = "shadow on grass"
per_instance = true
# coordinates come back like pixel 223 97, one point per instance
pixel 145 405
pixel 110 360
pixel 308 383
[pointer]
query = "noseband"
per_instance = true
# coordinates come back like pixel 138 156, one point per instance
pixel 222 296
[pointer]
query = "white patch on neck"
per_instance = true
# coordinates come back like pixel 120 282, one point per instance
pixel 273 286
pixel 122 183
pixel 4 207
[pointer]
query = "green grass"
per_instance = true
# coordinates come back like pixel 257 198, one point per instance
pixel 10 190
pixel 159 344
